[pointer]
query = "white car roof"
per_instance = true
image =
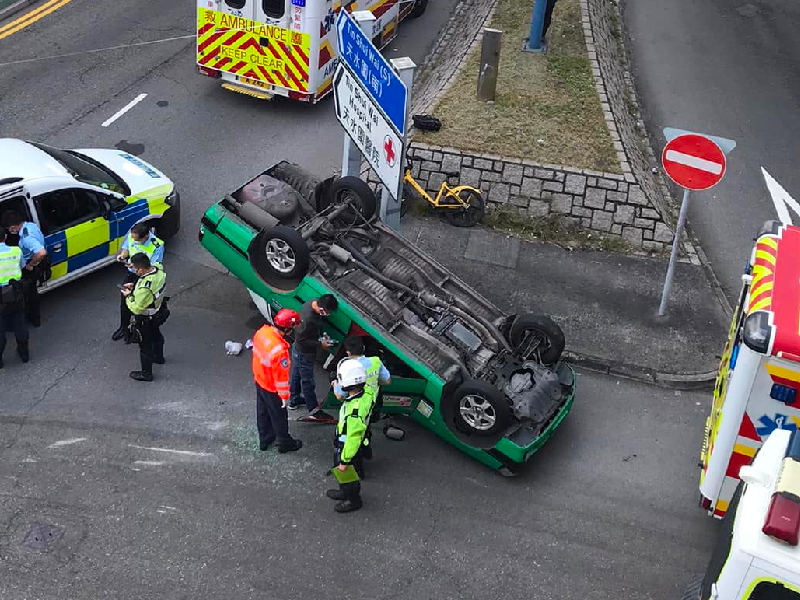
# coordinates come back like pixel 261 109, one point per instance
pixel 754 505
pixel 21 159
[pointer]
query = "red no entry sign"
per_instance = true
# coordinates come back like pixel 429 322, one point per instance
pixel 693 161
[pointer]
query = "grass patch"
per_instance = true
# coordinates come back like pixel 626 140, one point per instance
pixel 546 109
pixel 553 229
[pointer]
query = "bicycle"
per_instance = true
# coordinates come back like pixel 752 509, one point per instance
pixel 461 206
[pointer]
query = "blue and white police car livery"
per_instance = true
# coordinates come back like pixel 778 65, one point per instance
pixel 85 201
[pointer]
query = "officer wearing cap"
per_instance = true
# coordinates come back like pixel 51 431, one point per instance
pixel 271 367
pixel 140 239
pixel 36 263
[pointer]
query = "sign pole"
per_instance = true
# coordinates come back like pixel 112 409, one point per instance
pixel 390 207
pixel 673 257
pixel 351 156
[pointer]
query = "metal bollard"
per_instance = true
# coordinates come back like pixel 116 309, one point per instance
pixel 490 62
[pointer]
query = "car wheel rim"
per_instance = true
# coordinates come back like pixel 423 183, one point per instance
pixel 280 256
pixel 477 412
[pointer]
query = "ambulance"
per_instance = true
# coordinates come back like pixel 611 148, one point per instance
pixel 756 391
pixel 757 556
pixel 267 48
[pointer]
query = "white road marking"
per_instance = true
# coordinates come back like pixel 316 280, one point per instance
pixel 694 161
pixel 124 109
pixel 149 463
pixel 69 442
pixel 181 452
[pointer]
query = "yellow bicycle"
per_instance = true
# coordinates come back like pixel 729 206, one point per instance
pixel 461 206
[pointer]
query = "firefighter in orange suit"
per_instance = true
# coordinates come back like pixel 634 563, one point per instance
pixel 271 373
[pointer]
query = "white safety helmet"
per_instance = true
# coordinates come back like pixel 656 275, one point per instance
pixel 351 373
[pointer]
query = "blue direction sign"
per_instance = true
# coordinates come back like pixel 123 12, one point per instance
pixel 373 70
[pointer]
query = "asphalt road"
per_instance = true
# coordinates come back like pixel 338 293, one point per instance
pixel 729 69
pixel 158 491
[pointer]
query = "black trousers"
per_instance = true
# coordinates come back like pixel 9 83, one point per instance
pixel 272 418
pixel 30 288
pixel 124 313
pixel 151 346
pixel 351 491
pixel 12 318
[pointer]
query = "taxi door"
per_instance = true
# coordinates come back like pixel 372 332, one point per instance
pixel 76 231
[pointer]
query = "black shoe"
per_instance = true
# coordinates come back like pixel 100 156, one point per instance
pixel 292 446
pixel 141 376
pixel 119 334
pixel 159 361
pixel 318 416
pixel 24 355
pixel 36 320
pixel 335 494
pixel 264 447
pixel 347 506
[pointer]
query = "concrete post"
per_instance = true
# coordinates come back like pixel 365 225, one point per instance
pixel 351 156
pixel 390 207
pixel 490 63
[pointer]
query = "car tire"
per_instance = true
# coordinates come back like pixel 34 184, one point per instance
pixel 693 589
pixel 280 256
pixel 479 408
pixel 419 9
pixel 353 189
pixel 549 334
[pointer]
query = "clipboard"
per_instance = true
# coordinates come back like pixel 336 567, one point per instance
pixel 349 475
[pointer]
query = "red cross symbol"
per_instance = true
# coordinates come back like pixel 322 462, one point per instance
pixel 388 151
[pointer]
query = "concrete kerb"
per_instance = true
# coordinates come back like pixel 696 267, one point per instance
pixel 676 381
pixel 15 8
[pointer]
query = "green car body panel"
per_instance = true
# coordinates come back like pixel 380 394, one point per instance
pixel 228 238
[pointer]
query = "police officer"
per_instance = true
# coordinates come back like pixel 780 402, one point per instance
pixel 377 375
pixel 12 310
pixel 145 299
pixel 351 429
pixel 36 267
pixel 271 366
pixel 139 239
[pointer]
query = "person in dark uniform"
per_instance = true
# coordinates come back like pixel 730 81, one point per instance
pixel 36 268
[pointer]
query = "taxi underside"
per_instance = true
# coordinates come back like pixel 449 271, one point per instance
pixel 498 378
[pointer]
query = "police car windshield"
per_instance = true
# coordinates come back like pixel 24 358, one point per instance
pixel 85 169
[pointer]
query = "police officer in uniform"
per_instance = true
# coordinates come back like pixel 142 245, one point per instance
pixel 139 239
pixel 145 299
pixel 36 267
pixel 351 429
pixel 271 367
pixel 377 375
pixel 12 310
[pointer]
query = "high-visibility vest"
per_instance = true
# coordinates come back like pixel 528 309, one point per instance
pixel 353 423
pixel 373 371
pixel 9 264
pixel 156 282
pixel 271 361
pixel 147 247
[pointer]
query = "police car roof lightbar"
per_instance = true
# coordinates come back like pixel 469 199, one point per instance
pixel 783 517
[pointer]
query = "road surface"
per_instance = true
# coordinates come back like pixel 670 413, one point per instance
pixel 729 69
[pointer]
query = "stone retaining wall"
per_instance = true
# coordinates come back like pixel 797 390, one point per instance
pixel 602 202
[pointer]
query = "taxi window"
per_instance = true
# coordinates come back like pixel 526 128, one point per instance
pixel 768 590
pixel 62 209
pixel 273 8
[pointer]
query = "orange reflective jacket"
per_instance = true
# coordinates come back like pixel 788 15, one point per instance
pixel 271 361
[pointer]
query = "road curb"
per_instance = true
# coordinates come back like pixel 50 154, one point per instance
pixel 15 8
pixel 703 380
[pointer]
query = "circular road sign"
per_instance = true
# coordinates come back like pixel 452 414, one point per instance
pixel 693 161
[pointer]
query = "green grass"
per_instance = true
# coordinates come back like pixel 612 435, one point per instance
pixel 546 109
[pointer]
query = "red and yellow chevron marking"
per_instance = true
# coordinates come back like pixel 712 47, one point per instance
pixel 763 274
pixel 251 49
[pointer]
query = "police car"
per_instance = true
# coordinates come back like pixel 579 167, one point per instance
pixel 85 201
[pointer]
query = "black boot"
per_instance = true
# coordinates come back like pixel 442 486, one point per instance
pixel 119 334
pixel 292 446
pixel 22 350
pixel 335 495
pixel 141 376
pixel 347 506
